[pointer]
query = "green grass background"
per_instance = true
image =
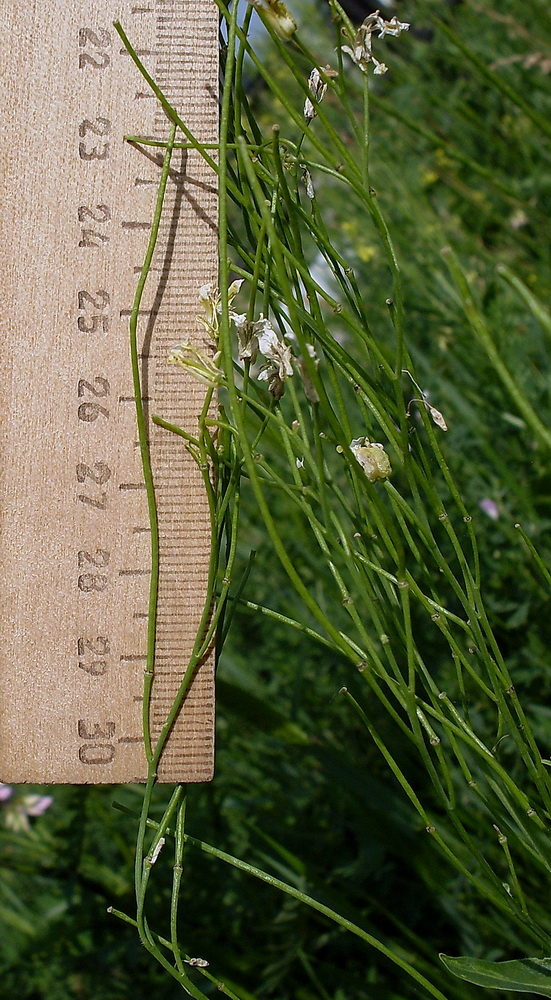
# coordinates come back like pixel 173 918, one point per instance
pixel 298 789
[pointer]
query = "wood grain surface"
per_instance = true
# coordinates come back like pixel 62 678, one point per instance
pixel 77 203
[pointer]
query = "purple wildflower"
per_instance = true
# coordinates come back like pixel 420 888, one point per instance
pixel 18 809
pixel 490 508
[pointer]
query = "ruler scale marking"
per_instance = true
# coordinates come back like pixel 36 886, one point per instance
pixel 75 584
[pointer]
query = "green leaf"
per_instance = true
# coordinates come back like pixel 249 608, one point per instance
pixel 524 975
pixel 18 922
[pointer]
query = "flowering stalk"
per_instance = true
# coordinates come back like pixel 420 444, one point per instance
pixel 361 48
pixel 368 488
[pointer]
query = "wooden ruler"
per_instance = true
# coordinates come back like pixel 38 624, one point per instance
pixel 77 205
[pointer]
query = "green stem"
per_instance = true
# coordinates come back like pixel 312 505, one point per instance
pixel 167 107
pixel 314 904
pixel 143 437
pixel 177 872
pixel 482 332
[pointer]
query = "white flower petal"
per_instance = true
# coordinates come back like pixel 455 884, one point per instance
pixel 238 319
pixel 234 289
pixel 268 343
pixel 206 292
pixel 309 186
pixel 309 109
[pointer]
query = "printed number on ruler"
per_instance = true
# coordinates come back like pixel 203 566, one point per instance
pixel 96 740
pixel 97 216
pixel 94 45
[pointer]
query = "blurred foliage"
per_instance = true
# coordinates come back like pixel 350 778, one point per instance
pixel 454 162
pixel 298 789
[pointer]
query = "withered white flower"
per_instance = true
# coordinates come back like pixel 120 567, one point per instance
pixel 279 358
pixel 361 50
pixel 274 349
pixel 278 17
pixel 307 178
pixel 197 363
pixel 317 88
pixel 248 341
pixel 276 385
pixel 372 458
pixel 437 416
pixel 392 27
pixel 157 850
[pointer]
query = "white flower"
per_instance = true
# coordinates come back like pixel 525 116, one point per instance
pixel 234 289
pixel 279 358
pixel 246 334
pixel 372 458
pixel 239 319
pixel 249 334
pixel 273 349
pixel 392 27
pixel 20 808
pixel 210 303
pixel 202 364
pixel 361 50
pixel 209 297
